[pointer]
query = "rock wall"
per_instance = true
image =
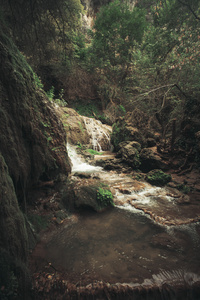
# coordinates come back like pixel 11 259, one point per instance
pixel 32 149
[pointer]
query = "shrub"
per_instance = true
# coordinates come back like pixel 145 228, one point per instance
pixel 158 177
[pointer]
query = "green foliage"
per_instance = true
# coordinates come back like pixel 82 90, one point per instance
pixel 38 82
pixel 116 30
pixel 49 32
pixel 51 96
pixel 86 109
pixel 104 197
pixel 79 145
pixel 93 152
pixel 122 109
pixel 118 134
pixel 158 177
pixel 50 93
pixel 80 50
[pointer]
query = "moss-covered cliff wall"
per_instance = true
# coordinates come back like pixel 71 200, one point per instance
pixel 32 139
pixel 32 149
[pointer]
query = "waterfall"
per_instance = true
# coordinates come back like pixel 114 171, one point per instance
pixel 99 134
pixel 78 162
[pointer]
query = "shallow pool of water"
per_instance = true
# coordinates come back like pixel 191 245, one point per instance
pixel 120 246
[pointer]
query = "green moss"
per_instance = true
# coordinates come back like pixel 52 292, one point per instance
pixel 104 197
pixel 93 152
pixel 158 177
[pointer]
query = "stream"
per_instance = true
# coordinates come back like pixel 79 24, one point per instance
pixel 146 240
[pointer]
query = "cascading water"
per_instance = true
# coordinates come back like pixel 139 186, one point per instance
pixel 99 134
pixel 130 250
pixel 78 163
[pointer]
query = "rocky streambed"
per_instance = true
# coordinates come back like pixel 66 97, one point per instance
pixel 145 247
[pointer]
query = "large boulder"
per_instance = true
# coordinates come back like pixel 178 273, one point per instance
pixel 92 196
pixel 129 153
pixel 151 160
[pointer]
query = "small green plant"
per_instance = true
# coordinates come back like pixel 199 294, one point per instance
pixel 104 197
pixel 139 177
pixel 93 152
pixel 122 109
pixel 79 145
pixel 50 93
pixel 37 80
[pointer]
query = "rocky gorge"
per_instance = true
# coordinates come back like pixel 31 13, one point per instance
pixel 100 224
pixel 141 244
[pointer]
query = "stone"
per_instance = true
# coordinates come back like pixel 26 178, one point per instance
pixel 129 153
pixel 151 160
pixel 87 196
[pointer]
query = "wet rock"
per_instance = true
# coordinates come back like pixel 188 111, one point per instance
pixel 129 153
pixel 197 135
pixel 110 164
pixel 151 160
pixel 183 199
pixel 93 196
pixel 163 240
pixel 132 144
pixel 74 125
pixel 82 174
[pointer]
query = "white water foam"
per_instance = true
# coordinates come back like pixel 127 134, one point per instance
pixel 78 164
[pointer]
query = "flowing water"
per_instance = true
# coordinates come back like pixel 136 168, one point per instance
pixel 78 163
pixel 124 244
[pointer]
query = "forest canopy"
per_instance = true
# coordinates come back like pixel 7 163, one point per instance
pixel 143 56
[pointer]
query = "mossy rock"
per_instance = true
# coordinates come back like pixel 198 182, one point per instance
pixel 158 177
pixel 93 196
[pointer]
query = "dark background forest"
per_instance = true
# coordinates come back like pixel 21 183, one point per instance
pixel 142 55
